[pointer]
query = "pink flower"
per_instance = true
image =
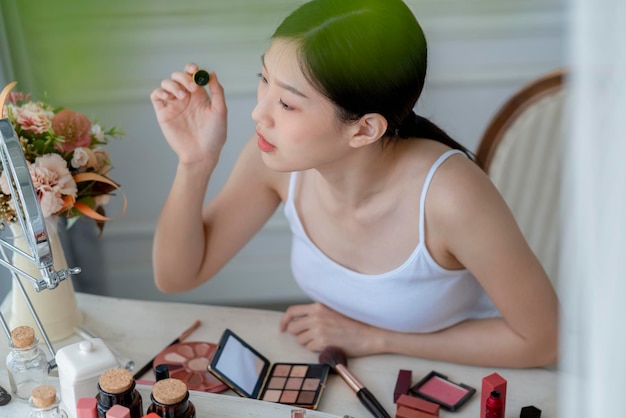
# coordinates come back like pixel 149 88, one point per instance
pixel 83 157
pixel 32 117
pixel 103 161
pixel 16 97
pixel 53 184
pixel 74 128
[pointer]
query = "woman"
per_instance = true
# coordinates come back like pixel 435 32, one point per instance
pixel 400 239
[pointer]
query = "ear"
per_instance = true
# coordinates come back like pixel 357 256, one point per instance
pixel 367 130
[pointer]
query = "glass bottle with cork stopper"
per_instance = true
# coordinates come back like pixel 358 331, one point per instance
pixel 170 399
pixel 27 365
pixel 44 403
pixel 117 387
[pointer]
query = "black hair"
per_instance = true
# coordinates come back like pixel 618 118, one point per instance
pixel 366 56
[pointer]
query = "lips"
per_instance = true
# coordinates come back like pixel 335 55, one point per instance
pixel 263 144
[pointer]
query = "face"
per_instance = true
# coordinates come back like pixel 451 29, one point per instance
pixel 297 126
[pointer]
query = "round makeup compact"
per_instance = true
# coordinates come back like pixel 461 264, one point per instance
pixel 188 361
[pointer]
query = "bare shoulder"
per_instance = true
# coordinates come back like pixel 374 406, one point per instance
pixel 467 217
pixel 459 185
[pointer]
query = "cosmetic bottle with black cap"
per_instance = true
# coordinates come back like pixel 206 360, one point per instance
pixel 161 371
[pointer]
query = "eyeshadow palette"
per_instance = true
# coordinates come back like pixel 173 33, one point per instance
pixel 436 387
pixel 251 375
pixel 188 361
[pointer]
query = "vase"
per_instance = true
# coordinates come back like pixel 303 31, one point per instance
pixel 56 308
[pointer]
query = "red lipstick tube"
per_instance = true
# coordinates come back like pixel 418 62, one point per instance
pixel 494 407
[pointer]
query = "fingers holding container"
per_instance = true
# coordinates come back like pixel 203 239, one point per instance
pixel 180 86
pixel 192 118
pixel 201 77
pixel 184 87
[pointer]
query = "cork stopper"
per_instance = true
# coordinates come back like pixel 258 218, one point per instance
pixel 116 381
pixel 22 336
pixel 43 396
pixel 169 391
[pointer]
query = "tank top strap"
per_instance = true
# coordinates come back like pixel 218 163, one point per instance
pixel 426 185
pixel 293 180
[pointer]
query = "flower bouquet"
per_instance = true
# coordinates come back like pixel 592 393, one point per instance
pixel 66 158
pixel 69 167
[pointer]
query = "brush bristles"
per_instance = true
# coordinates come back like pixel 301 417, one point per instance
pixel 333 356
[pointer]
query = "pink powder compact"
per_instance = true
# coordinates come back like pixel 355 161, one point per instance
pixel 436 387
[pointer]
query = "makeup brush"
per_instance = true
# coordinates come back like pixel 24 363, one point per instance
pixel 336 358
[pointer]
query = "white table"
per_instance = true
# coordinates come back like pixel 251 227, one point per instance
pixel 141 329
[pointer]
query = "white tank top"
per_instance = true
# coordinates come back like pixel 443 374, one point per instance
pixel 417 296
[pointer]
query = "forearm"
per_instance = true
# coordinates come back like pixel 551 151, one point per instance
pixel 486 342
pixel 179 240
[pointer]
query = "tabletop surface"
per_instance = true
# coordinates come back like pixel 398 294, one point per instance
pixel 141 329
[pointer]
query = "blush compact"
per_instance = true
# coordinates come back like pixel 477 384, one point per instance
pixel 437 388
pixel 248 373
pixel 188 361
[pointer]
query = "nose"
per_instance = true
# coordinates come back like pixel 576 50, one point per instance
pixel 260 112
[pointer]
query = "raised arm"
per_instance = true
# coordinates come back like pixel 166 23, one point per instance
pixel 191 242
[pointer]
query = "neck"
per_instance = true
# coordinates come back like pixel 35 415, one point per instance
pixel 359 177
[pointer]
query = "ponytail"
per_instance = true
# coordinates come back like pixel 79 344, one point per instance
pixel 416 126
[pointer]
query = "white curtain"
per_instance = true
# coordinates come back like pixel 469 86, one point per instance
pixel 593 262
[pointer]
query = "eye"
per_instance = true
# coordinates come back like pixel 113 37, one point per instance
pixel 262 78
pixel 285 105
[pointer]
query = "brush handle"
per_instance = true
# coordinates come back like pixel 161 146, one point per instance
pixel 372 405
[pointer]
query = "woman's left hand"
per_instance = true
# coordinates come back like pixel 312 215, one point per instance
pixel 316 327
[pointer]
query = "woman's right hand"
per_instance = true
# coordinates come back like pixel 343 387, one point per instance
pixel 192 119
